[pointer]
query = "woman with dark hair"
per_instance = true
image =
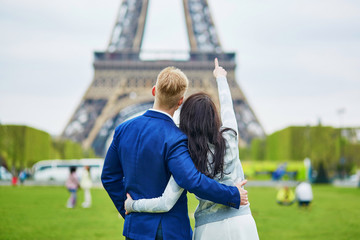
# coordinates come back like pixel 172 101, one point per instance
pixel 214 150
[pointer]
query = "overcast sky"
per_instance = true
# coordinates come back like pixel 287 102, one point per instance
pixel 298 60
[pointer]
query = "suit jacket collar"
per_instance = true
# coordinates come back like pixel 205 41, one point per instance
pixel 157 114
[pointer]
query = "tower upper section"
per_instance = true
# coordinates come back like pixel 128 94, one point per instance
pixel 128 31
pixel 200 26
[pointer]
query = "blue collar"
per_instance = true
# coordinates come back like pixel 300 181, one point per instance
pixel 157 114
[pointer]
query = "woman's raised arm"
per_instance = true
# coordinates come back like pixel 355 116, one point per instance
pixel 227 110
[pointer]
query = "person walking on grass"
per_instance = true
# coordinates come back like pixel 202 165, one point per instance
pixel 72 185
pixel 86 185
pixel 145 152
pixel 214 150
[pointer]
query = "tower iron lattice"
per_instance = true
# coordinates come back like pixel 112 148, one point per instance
pixel 121 86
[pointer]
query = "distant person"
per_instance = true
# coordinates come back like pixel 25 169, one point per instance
pixel 14 180
pixel 213 145
pixel 285 196
pixel 72 184
pixel 304 194
pixel 279 172
pixel 86 184
pixel 22 176
pixel 145 152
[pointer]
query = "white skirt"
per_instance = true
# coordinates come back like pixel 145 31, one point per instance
pixel 235 228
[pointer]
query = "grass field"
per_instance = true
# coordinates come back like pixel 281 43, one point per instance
pixel 40 213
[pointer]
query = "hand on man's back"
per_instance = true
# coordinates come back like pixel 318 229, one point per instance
pixel 243 193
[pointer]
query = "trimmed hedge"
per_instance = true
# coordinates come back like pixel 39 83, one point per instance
pixel 320 143
pixel 253 168
pixel 22 146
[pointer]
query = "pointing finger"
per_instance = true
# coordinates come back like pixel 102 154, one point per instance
pixel 216 63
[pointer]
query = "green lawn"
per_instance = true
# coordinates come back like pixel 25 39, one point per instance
pixel 40 213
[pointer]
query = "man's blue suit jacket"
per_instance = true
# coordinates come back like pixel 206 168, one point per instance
pixel 145 151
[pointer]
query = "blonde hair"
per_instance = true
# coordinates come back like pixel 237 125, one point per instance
pixel 171 85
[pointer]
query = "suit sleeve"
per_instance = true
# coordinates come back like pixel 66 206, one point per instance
pixel 112 178
pixel 188 177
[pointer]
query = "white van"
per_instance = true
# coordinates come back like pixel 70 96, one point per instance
pixel 59 170
pixel 5 174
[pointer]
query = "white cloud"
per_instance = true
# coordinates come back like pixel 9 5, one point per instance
pixel 297 60
pixel 42 112
pixel 331 63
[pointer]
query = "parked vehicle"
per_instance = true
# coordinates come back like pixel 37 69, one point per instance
pixel 5 174
pixel 58 170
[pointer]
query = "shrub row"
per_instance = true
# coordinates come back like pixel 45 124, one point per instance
pixel 321 144
pixel 22 146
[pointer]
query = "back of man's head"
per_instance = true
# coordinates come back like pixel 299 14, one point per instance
pixel 171 85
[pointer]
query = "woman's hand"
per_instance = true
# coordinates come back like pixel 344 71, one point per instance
pixel 243 193
pixel 128 203
pixel 218 71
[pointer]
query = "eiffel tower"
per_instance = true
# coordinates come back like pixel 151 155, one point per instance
pixel 121 87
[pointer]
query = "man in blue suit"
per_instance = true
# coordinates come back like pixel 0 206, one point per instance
pixel 145 152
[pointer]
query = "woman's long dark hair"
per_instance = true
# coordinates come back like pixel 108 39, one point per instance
pixel 200 121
